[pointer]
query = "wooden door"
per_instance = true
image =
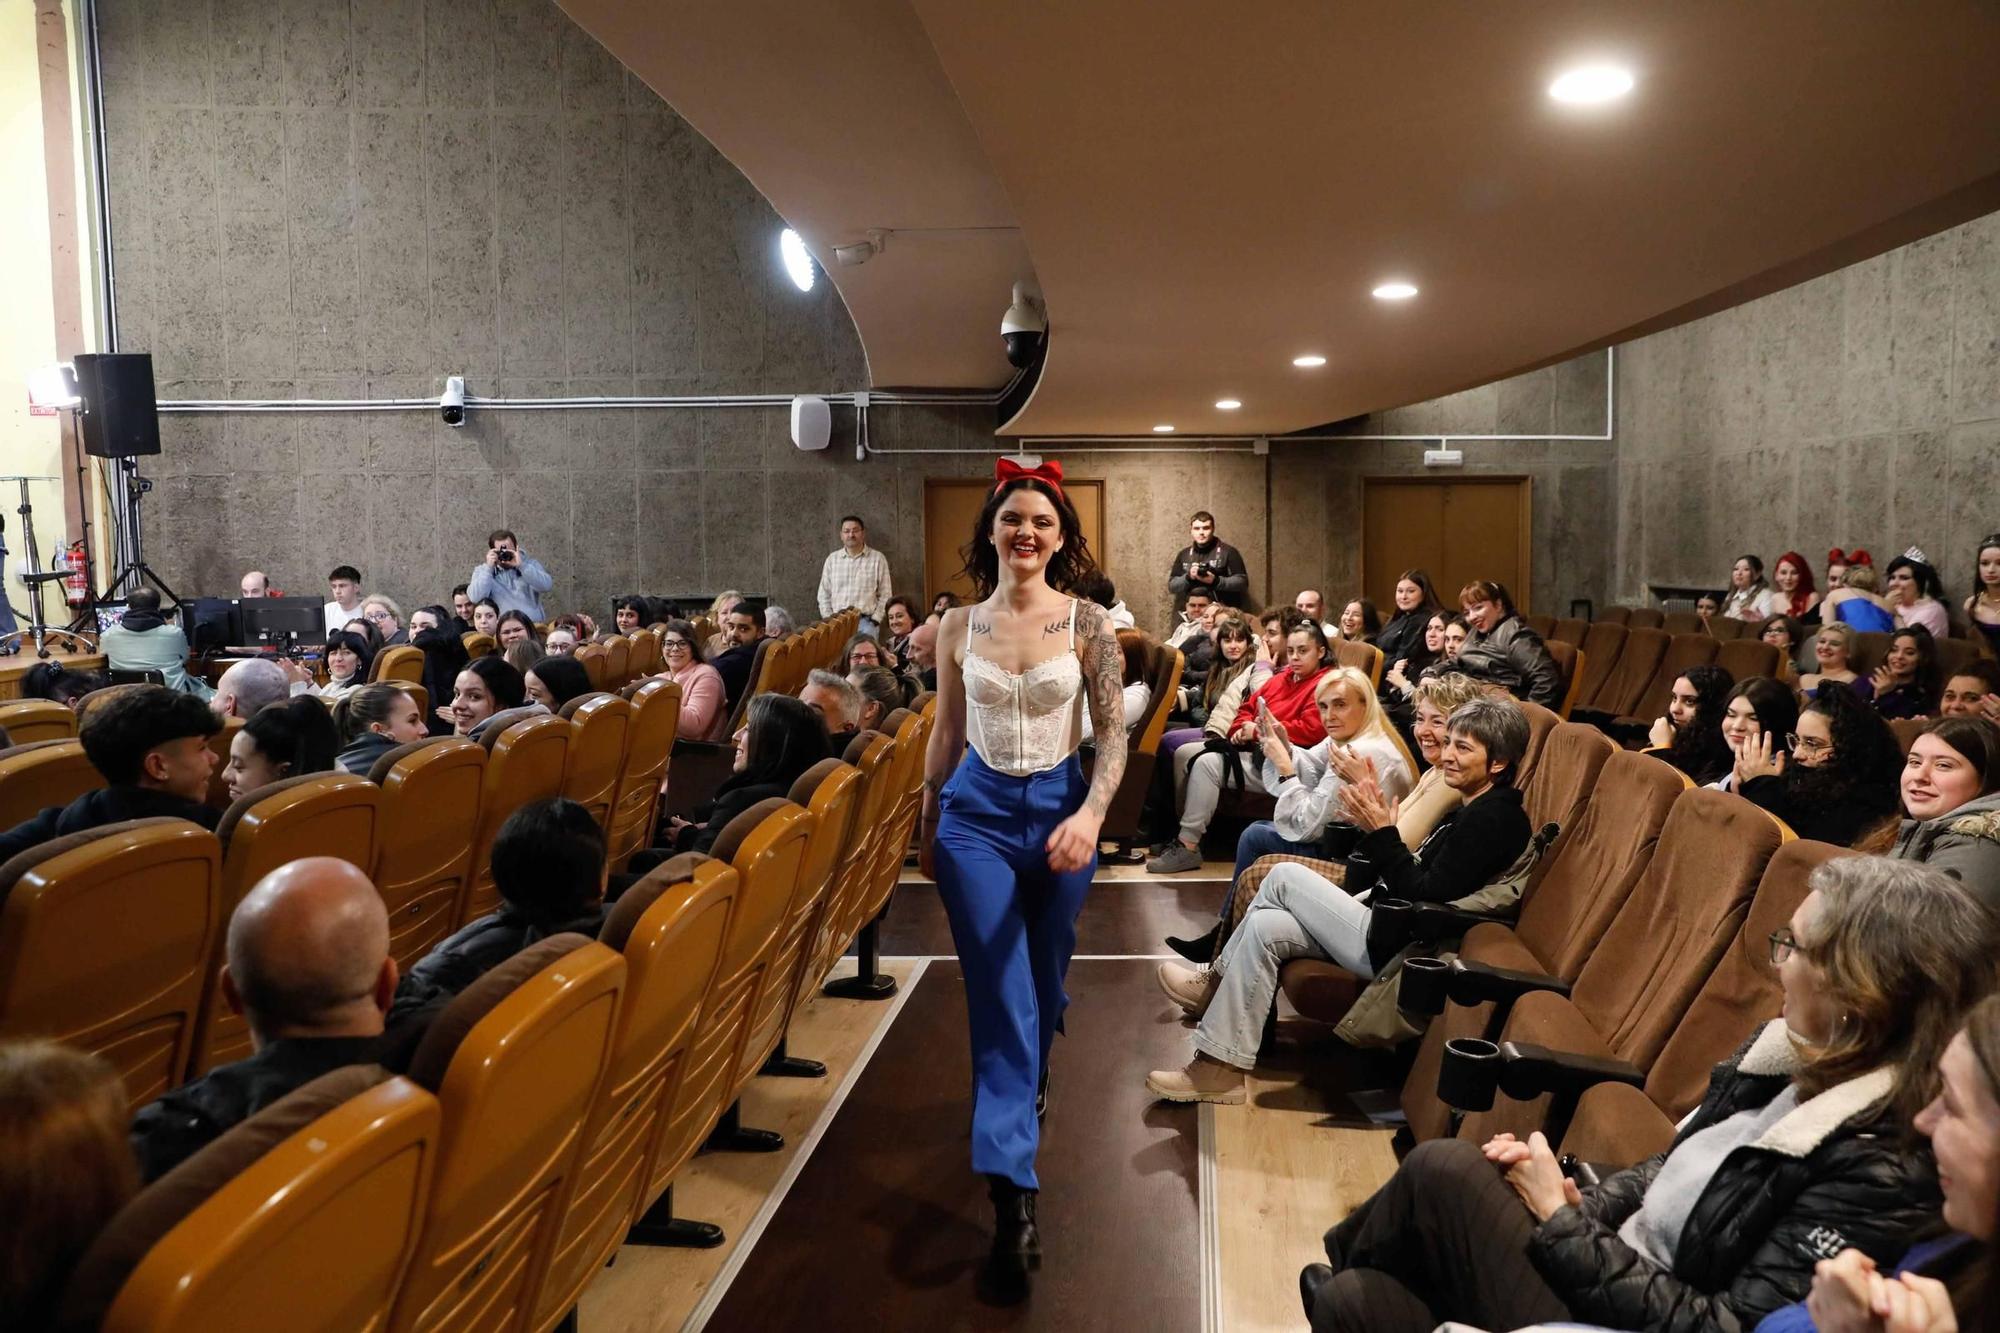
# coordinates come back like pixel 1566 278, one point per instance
pixel 951 508
pixel 1457 530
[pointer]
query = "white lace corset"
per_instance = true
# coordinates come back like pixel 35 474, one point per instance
pixel 1026 723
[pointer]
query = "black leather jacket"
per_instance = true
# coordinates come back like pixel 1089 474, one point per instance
pixel 1513 657
pixel 1817 1183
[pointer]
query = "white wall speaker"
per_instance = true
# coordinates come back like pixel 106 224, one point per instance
pixel 812 422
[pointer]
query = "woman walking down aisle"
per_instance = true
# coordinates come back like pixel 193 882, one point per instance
pixel 1010 833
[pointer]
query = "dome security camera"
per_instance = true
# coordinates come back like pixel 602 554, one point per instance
pixel 1023 327
pixel 451 404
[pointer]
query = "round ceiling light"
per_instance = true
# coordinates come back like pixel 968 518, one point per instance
pixel 1228 404
pixel 1163 429
pixel 1591 85
pixel 1395 291
pixel 798 260
pixel 1308 362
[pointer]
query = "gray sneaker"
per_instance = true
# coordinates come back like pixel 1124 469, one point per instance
pixel 1174 860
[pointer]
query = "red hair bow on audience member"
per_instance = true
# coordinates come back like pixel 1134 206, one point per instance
pixel 1006 470
pixel 1855 557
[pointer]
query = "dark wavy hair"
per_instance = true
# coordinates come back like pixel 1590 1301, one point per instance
pixel 1774 703
pixel 1698 749
pixel 1065 567
pixel 354 643
pixel 1430 603
pixel 507 686
pixel 786 739
pixel 1371 619
pixel 1928 679
pixel 1928 582
pixel 298 733
pixel 1867 764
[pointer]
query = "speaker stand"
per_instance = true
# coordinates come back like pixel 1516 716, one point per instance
pixel 135 571
pixel 33 576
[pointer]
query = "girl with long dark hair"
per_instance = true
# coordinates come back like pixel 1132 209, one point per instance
pixel 1840 782
pixel 433 630
pixel 1908 682
pixel 1010 831
pixel 1689 736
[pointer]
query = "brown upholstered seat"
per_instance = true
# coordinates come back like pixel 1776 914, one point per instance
pixel 596 664
pixel 1615 615
pixel 669 927
pixel 923 700
pixel 1684 651
pixel 1541 625
pixel 105 941
pixel 1580 887
pixel 423 853
pixel 1907 730
pixel 1602 644
pixel 906 791
pixel 301 1215
pixel 1621 687
pixel 642 658
pixel 1571 631
pixel 763 672
pixel 874 755
pixel 1569 666
pixel 401 662
pixel 1871 649
pixel 656 720
pixel 1363 657
pixel 41 774
pixel 596 762
pixel 1660 948
pixel 1744 658
pixel 1121 817
pixel 1739 996
pixel 516 1061
pixel 1954 655
pixel 1541 721
pixel 524 762
pixel 27 720
pixel 1726 628
pixel 1646 617
pixel 1683 622
pixel 617 661
pixel 480 645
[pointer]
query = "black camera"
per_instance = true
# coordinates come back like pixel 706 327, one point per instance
pixel 503 555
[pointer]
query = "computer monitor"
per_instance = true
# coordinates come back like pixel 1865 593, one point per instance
pixel 110 614
pixel 275 620
pixel 211 623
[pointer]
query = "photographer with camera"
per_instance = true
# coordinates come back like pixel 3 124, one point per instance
pixel 514 581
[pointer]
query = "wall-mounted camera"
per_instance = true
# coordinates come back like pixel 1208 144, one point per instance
pixel 451 404
pixel 1023 327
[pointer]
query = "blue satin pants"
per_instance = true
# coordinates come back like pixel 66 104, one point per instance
pixel 1014 923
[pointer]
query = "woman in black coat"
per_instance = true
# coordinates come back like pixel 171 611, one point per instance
pixel 432 629
pixel 1402 637
pixel 781 738
pixel 1842 779
pixel 1802 1148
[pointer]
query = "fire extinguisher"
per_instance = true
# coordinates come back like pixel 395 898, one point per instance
pixel 77 584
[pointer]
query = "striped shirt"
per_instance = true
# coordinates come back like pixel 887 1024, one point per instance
pixel 860 581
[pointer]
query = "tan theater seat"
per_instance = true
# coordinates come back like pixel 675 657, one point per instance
pixel 1602 643
pixel 656 720
pixel 1627 679
pixel 301 1216
pixel 1541 721
pixel 423 855
pixel 1363 657
pixel 596 761
pixel 1121 817
pixel 617 661
pixel 105 940
pixel 1646 617
pixel 524 762
pixel 400 663
pixel 41 774
pixel 1570 631
pixel 1684 652
pixel 596 664
pixel 899 819
pixel 1615 615
pixel 874 754
pixel 27 720
pixel 1541 625
pixel 643 658
pixel 1744 658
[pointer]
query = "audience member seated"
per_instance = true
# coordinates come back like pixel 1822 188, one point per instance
pixel 1456 632
pixel 1785 634
pixel 1982 609
pixel 718 614
pixel 1750 596
pixel 1840 781
pixel 343 586
pixel 1399 682
pixel 487 685
pixel 522 654
pixel 1908 682
pixel 1855 602
pixel 1951 797
pixel 1690 735
pixel 882 693
pixel 1138 690
pixel 1360 622
pixel 863 650
pixel 1194 634
pixel 704 699
pixel 248 686
pixel 151 745
pixel 1915 594
pixel 1312 605
pixel 1972 691
pixel 628 612
pixel 778 622
pixel 1223 688
pixel 838 701
pixel 53 680
pixel 284 740
pixel 1950 1282
pixel 1706 608
pixel 1502 650
pixel 257 584
pixel 554 681
pixel 1803 1145
pixel 1289 698
pixel 348 661
pixel 899 621
pixel 1299 914
pixel 372 721
pixel 309 970
pixel 780 739
pixel 1792 579
pixel 486 617
pixel 1756 707
pixel 1404 635
pixel 515 627
pixel 434 631
pixel 920 666
pixel 1096 586
pixel 561 642
pixel 66 1171
pixel 741 632
pixel 364 629
pixel 943 602
pixel 549 869
pixel 144 641
pixel 461 610
pixel 382 612
pixel 1833 650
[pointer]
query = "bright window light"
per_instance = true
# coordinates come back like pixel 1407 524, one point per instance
pixel 1163 429
pixel 1395 291
pixel 1591 85
pixel 798 260
pixel 1228 404
pixel 1308 362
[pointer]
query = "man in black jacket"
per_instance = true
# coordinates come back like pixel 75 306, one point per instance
pixel 742 631
pixel 1297 914
pixel 1208 562
pixel 151 745
pixel 309 969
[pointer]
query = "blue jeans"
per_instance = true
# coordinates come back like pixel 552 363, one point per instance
pixel 1013 921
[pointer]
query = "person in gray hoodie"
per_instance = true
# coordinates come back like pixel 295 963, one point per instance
pixel 1951 793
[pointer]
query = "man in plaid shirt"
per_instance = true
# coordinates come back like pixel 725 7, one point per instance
pixel 855 576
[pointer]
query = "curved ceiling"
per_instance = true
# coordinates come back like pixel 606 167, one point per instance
pixel 1209 192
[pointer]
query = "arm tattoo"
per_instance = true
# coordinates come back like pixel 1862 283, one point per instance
pixel 1103 670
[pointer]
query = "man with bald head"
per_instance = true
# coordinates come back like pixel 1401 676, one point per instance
pixel 257 584
pixel 309 969
pixel 921 665
pixel 253 683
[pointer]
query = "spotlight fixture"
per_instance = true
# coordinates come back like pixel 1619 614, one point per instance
pixel 1308 362
pixel 1163 429
pixel 1395 291
pixel 1591 85
pixel 53 388
pixel 1227 404
pixel 799 264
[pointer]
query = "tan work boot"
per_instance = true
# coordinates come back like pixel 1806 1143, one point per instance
pixel 1189 987
pixel 1204 1080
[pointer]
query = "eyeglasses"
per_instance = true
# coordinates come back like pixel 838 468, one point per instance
pixel 1783 944
pixel 1798 744
pixel 378 615
pixel 673 643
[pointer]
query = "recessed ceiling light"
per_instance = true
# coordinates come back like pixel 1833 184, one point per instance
pixel 798 260
pixel 1308 362
pixel 1589 85
pixel 1163 429
pixel 1228 404
pixel 1395 291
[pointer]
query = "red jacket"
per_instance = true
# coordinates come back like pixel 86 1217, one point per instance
pixel 1292 703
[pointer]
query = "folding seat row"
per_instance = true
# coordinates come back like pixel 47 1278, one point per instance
pixel 29 720
pixel 1625 696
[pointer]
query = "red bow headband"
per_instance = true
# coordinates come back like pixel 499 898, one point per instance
pixel 1856 557
pixel 1006 470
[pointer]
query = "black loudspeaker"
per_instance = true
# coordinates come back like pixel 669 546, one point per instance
pixel 120 417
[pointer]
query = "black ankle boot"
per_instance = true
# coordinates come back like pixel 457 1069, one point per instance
pixel 1042 1096
pixel 1200 949
pixel 1017 1245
